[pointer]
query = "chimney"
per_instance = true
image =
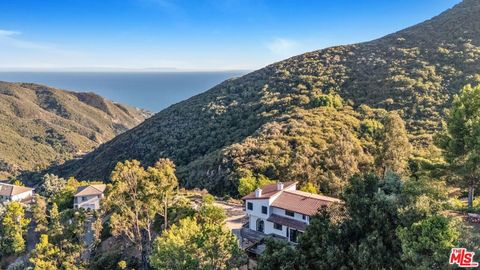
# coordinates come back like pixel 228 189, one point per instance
pixel 279 185
pixel 258 192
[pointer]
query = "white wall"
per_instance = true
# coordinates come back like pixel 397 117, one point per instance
pixel 256 212
pixel 269 229
pixel 298 216
pixel 22 196
pixel 257 208
pixel 92 202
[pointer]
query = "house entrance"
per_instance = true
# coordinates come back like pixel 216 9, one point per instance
pixel 260 225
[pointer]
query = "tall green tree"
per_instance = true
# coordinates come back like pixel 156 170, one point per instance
pixel 39 213
pixel 163 175
pixel 136 197
pixel 201 242
pixel 395 148
pixel 176 249
pixel 461 139
pixel 13 229
pixel 55 228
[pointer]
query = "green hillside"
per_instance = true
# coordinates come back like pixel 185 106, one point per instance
pixel 285 120
pixel 43 125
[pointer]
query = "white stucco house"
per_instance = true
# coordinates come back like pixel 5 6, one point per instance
pixel 10 192
pixel 89 197
pixel 282 210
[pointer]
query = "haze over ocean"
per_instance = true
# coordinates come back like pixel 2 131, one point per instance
pixel 153 91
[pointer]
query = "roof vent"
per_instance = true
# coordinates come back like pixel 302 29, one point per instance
pixel 279 185
pixel 258 192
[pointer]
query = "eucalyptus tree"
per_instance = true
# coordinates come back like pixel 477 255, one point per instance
pixel 136 197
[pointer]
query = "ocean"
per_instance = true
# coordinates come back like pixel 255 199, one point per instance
pixel 153 91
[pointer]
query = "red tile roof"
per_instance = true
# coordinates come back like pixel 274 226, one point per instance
pixel 267 191
pixel 302 202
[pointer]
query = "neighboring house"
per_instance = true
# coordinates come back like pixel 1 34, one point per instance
pixel 89 197
pixel 15 193
pixel 282 210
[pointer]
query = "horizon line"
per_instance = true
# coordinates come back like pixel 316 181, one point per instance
pixel 119 70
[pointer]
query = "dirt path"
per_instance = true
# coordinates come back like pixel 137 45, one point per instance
pixel 235 216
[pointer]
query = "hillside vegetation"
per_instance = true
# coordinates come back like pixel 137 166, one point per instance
pixel 285 120
pixel 43 125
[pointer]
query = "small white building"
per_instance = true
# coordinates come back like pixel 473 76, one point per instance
pixel 89 197
pixel 10 192
pixel 282 210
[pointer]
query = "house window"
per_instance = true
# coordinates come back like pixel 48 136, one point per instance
pixel 277 226
pixel 264 210
pixel 304 217
pixel 294 235
pixel 289 213
pixel 249 206
pixel 84 199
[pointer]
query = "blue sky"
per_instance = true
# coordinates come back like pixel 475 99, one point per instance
pixel 191 35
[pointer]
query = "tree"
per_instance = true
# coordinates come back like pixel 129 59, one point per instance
pixel 193 244
pixel 310 188
pixel 13 229
pixel 218 247
pixel 344 158
pixel 249 182
pixel 55 225
pixel 137 195
pixel 274 256
pixel 176 249
pixel 395 146
pixel 426 244
pixel 39 213
pixel 52 185
pixel 163 174
pixel 209 213
pixel 97 227
pixel 63 197
pixel 460 139
pixel 45 255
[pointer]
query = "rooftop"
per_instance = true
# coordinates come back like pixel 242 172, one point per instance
pixel 293 200
pixel 90 190
pixel 268 191
pixel 302 202
pixel 12 190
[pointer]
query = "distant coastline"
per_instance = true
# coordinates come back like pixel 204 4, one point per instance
pixel 147 89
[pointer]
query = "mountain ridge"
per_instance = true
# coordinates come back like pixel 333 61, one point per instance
pixel 43 125
pixel 414 71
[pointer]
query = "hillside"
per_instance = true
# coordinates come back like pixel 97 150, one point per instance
pixel 285 120
pixel 43 125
